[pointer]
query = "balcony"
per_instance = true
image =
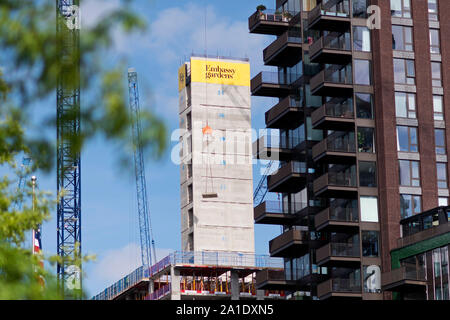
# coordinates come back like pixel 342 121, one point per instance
pixel 336 114
pixel 338 254
pixel 335 81
pixel 270 22
pixel 341 184
pixel 404 279
pixel 287 114
pixel 285 51
pixel 339 288
pixel 275 212
pixel 338 219
pixel 332 49
pixel 268 279
pixel 292 243
pixel 339 147
pixel 268 84
pixel 290 178
pixel 269 147
pixel 322 17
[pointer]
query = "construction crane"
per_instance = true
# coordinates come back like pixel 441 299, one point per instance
pixel 22 181
pixel 145 227
pixel 68 157
pixel 261 190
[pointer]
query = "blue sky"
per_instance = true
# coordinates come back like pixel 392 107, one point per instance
pixel 109 209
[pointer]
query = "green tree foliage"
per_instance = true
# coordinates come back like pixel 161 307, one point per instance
pixel 29 68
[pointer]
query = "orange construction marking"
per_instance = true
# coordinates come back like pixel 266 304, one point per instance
pixel 207 130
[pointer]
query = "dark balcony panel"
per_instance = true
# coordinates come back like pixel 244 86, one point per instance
pixel 339 147
pixel 336 114
pixel 335 81
pixel 268 84
pixel 336 185
pixel 270 147
pixel 325 18
pixel 338 219
pixel 338 254
pixel 285 51
pixel 270 22
pixel 268 279
pixel 292 243
pixel 404 279
pixel 290 178
pixel 308 282
pixel 332 49
pixel 274 212
pixel 336 288
pixel 287 114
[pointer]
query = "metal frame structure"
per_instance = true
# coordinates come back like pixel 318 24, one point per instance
pixel 68 157
pixel 145 228
pixel 261 190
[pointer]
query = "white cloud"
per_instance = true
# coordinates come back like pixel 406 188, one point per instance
pixel 172 41
pixel 117 263
pixel 92 11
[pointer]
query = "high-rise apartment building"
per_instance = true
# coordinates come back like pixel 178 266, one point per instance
pixel 216 162
pixel 364 103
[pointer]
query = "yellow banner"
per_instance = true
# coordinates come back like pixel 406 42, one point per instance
pixel 182 77
pixel 228 73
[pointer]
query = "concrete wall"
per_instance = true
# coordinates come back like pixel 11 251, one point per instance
pixel 222 164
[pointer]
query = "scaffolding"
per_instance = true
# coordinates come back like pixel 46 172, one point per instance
pixel 196 275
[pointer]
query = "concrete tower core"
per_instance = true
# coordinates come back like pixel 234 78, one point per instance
pixel 216 156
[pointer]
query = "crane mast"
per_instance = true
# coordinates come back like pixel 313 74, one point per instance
pixel 145 228
pixel 261 190
pixel 68 157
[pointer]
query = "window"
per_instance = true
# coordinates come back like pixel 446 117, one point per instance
pixel 367 174
pixel 438 108
pixel 439 136
pixel 402 38
pixel 407 139
pixel 366 140
pixel 434 41
pixel 364 105
pixel 404 72
pixel 433 10
pixel 410 205
pixel 191 241
pixel 190 217
pixel 189 170
pixel 405 105
pixel 360 8
pixel 369 209
pixel 409 173
pixel 190 193
pixel 361 39
pixel 189 121
pixel 370 243
pixel 436 77
pixel 363 74
pixel 443 202
pixel 441 175
pixel 401 8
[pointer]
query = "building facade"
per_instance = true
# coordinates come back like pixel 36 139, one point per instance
pixel 216 162
pixel 363 89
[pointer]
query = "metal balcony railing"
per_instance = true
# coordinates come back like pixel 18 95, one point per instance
pixel 333 41
pixel 329 8
pixel 285 38
pixel 395 277
pixel 339 285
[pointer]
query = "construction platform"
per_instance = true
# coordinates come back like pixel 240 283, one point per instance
pixel 197 276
